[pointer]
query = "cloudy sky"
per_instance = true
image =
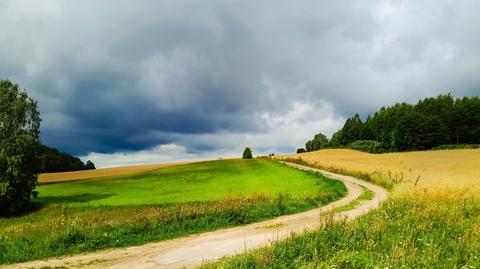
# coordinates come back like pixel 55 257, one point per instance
pixel 123 82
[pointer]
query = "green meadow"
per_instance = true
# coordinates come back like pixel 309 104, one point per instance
pixel 205 181
pixel 87 215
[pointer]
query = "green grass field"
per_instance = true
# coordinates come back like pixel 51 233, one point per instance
pixel 206 181
pixel 87 215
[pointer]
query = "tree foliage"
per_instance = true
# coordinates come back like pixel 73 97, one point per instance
pixel 417 131
pixel 352 130
pixel 89 165
pixel 19 133
pixel 367 146
pixel 247 153
pixel 319 141
pixel 53 160
pixel 402 127
pixel 301 150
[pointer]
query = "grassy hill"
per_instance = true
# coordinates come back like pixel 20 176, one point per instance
pixel 205 181
pixel 432 219
pixel 174 201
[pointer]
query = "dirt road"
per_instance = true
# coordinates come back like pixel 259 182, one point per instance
pixel 193 250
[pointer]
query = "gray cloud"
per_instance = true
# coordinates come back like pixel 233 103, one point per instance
pixel 126 76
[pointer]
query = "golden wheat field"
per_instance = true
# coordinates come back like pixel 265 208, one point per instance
pixel 442 169
pixel 100 173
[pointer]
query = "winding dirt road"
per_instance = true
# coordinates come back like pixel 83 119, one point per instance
pixel 193 250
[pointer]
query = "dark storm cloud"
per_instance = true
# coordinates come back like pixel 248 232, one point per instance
pixel 124 76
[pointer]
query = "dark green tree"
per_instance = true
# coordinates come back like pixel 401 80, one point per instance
pixel 319 141
pixel 466 121
pixel 19 135
pixel 384 121
pixel 336 140
pixel 301 150
pixel 417 131
pixel 247 153
pixel 429 123
pixel 368 132
pixel 52 160
pixel 352 130
pixel 89 165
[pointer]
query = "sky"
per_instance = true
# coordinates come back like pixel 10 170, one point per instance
pixel 132 82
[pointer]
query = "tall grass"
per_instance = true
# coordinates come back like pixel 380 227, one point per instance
pixel 386 180
pixel 432 220
pixel 456 169
pixel 77 230
pixel 59 229
pixel 438 229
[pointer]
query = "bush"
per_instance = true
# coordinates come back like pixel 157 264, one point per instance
pixel 457 146
pixel 301 150
pixel 371 146
pixel 247 153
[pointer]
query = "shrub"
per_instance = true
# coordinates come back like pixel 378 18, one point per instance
pixel 301 150
pixel 247 153
pixel 457 146
pixel 371 146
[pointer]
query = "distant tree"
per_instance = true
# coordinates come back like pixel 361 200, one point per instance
pixel 247 153
pixel 89 165
pixel 301 150
pixel 368 132
pixel 443 108
pixel 336 140
pixel 429 123
pixel 319 141
pixel 417 131
pixel 52 160
pixel 19 133
pixel 466 121
pixel 309 145
pixel 352 130
pixel 384 121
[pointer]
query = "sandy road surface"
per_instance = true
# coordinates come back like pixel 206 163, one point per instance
pixel 193 250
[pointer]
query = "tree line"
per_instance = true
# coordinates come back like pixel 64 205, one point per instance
pixel 53 160
pixel 431 122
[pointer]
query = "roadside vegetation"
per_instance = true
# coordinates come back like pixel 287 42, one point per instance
pixel 87 215
pixel 432 219
pixel 419 230
pixel 366 195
